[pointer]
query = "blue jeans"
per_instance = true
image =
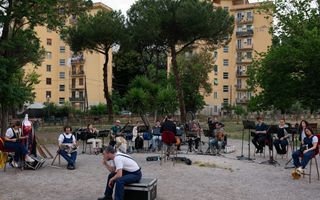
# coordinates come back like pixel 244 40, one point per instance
pixel 19 149
pixel 70 159
pixel 156 142
pixel 127 178
pixel 305 158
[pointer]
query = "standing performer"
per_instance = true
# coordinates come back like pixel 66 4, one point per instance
pixel 306 151
pixel 13 141
pixel 260 135
pixel 68 145
pixel 124 171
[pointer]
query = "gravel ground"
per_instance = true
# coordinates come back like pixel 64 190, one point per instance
pixel 231 179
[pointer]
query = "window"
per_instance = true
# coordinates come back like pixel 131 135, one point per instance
pixel 80 81
pixel 215 69
pixel 226 8
pixel 249 55
pixel 225 101
pixel 48 81
pixel 62 62
pixel 249 95
pixel 249 27
pixel 48 55
pixel 239 45
pixel 239 83
pixel 61 88
pixel 225 88
pixel 80 94
pixel 48 95
pixel 61 100
pixel 225 49
pixel 215 55
pixel 225 62
pixel 239 16
pixel 249 15
pixel 62 49
pixel 225 75
pixel 62 75
pixel 215 108
pixel 73 83
pixel 249 41
pixel 48 68
pixel 215 81
pixel 215 95
pixel 49 41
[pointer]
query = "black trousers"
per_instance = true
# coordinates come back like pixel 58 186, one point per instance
pixel 259 141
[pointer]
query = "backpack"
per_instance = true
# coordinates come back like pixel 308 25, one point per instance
pixel 138 143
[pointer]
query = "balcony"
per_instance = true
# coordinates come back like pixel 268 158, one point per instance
pixel 244 20
pixel 242 100
pixel 77 73
pixel 241 74
pixel 244 33
pixel 77 87
pixel 76 99
pixel 244 60
pixel 240 88
pixel 77 59
pixel 244 47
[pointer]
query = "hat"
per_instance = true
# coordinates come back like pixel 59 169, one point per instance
pixel 117 121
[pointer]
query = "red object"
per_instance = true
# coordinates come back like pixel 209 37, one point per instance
pixel 168 137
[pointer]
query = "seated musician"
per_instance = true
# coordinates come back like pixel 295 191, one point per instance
pixel 218 142
pixel 280 142
pixel 68 147
pixel 124 170
pixel 13 141
pixel 115 130
pixel 121 144
pixel 301 129
pixel 260 135
pixel 306 151
pixel 156 136
pixel 92 134
pixel 195 128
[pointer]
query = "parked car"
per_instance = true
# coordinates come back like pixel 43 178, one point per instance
pixel 125 113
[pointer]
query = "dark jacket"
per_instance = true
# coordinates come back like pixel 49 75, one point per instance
pixel 168 125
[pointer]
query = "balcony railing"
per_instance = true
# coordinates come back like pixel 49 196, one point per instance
pixel 242 100
pixel 244 33
pixel 244 20
pixel 76 99
pixel 77 59
pixel 244 46
pixel 77 87
pixel 241 88
pixel 244 60
pixel 77 73
pixel 241 74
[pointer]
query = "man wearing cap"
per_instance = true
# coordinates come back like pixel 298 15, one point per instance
pixel 125 171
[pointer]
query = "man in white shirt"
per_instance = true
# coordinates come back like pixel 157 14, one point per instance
pixel 124 171
pixel 67 145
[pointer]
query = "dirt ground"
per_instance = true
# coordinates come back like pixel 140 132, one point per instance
pixel 225 179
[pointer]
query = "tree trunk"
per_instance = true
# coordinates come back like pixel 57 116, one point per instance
pixel 106 87
pixel 178 84
pixel 4 119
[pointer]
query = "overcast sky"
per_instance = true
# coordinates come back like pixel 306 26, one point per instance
pixel 124 5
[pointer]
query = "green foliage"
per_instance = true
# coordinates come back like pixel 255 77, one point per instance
pixel 289 71
pixel 118 102
pixel 239 110
pixel 99 109
pixel 194 70
pixel 138 100
pixel 166 100
pixel 177 25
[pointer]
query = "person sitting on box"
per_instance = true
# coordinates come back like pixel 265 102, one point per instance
pixel 68 145
pixel 125 171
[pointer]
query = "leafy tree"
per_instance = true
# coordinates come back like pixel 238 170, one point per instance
pixel 99 33
pixel 176 25
pixel 286 73
pixel 239 111
pixel 99 109
pixel 194 69
pixel 166 101
pixel 19 44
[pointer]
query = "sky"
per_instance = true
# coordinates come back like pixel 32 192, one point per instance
pixel 124 5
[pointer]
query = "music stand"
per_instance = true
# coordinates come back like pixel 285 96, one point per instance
pixel 271 130
pixel 249 125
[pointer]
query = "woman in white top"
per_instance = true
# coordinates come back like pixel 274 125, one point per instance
pixel 92 134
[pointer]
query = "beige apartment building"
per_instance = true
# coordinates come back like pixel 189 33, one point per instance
pixel 66 77
pixel 251 35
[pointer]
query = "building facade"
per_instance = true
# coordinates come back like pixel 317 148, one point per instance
pixel 251 35
pixel 66 77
